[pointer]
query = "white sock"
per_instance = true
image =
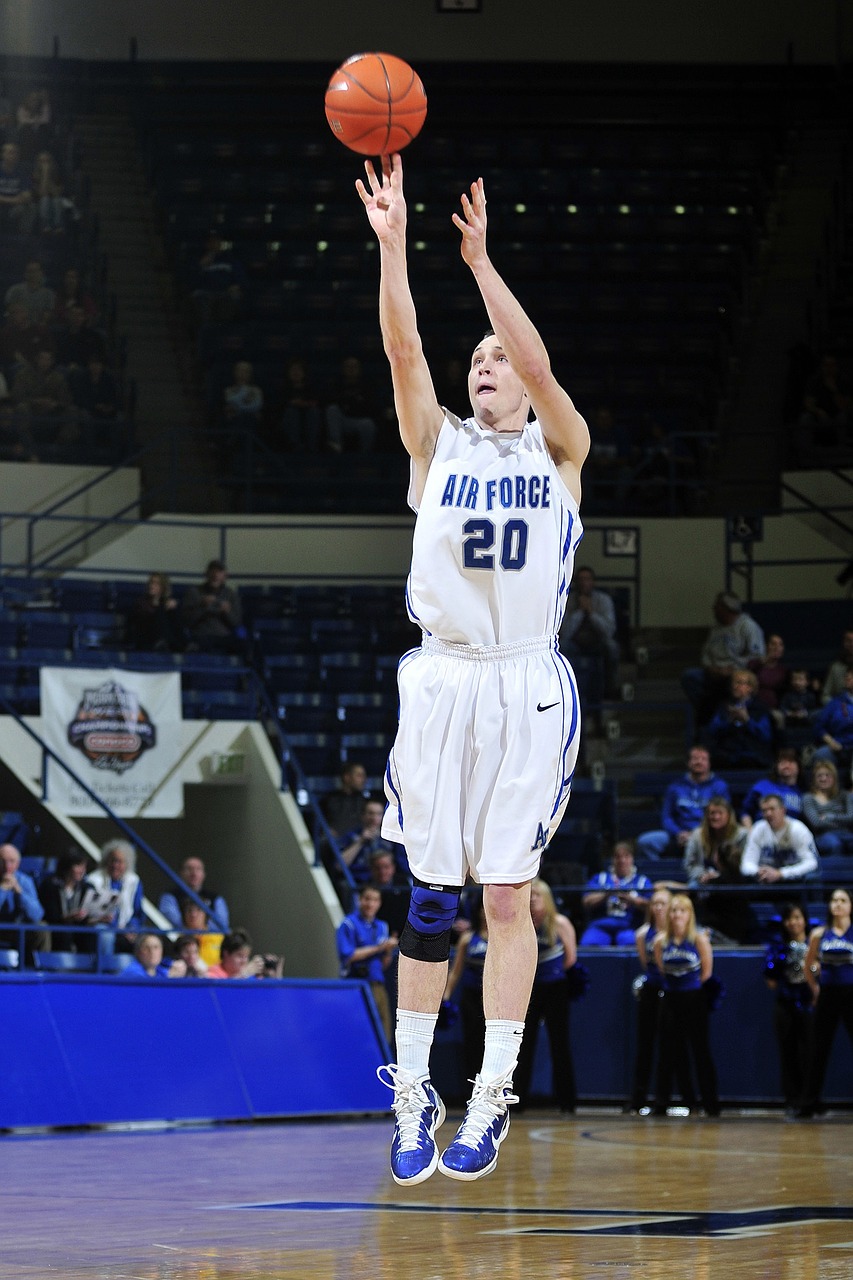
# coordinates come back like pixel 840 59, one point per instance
pixel 503 1041
pixel 414 1040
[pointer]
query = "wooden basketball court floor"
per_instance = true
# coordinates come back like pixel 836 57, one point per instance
pixel 599 1195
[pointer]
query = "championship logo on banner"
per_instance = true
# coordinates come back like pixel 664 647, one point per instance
pixel 119 731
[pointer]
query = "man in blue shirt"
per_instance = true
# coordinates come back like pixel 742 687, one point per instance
pixel 783 782
pixel 616 901
pixel 19 901
pixel 365 949
pixel 193 873
pixel 684 804
pixel 833 727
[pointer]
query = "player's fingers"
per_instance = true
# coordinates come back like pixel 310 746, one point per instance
pixel 362 191
pixel 397 170
pixel 375 184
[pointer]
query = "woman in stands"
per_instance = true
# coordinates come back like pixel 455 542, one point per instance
pixel 684 956
pixel 793 1014
pixel 828 811
pixel 63 897
pixel 829 973
pixel 712 857
pixel 466 972
pixel 549 1000
pixel 155 621
pixel 148 960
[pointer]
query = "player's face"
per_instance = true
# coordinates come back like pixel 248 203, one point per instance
pixel 496 391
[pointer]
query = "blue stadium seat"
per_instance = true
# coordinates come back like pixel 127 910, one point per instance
pixel 9 958
pixel 369 749
pixel 64 962
pixel 315 752
pixel 346 672
pixel 307 712
pixel 368 712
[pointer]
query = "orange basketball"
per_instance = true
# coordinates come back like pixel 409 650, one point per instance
pixel 375 104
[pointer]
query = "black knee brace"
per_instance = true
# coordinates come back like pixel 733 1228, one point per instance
pixel 432 911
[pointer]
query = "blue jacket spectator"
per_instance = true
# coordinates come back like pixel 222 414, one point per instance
pixel 684 804
pixel 740 735
pixel 193 873
pixel 148 960
pixel 616 900
pixel 19 901
pixel 833 726
pixel 783 781
pixel 365 949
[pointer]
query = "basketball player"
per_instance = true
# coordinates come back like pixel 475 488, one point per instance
pixel 481 768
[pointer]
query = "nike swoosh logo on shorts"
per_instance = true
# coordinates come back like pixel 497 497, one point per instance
pixel 539 706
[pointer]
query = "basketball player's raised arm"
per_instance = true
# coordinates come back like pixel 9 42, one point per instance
pixel 565 431
pixel 418 411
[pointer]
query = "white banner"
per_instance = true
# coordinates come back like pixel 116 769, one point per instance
pixel 120 733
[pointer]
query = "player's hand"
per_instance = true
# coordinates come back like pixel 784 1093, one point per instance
pixel 384 200
pixel 472 224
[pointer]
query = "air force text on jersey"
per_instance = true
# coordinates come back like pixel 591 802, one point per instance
pixel 519 492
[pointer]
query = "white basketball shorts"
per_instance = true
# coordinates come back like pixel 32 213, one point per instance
pixel 481 769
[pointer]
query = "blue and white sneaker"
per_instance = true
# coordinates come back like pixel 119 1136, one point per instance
pixel 418 1112
pixel 474 1151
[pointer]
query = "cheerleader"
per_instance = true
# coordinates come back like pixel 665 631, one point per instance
pixel 549 1000
pixel 684 956
pixel 829 973
pixel 648 989
pixel 793 1017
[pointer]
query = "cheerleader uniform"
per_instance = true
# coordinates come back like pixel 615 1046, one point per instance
pixel 649 1004
pixel 834 1005
pixel 793 1018
pixel 549 1003
pixel 684 1027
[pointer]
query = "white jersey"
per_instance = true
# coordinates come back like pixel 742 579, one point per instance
pixel 495 538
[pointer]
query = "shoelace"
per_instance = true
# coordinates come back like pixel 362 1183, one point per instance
pixel 410 1098
pixel 488 1102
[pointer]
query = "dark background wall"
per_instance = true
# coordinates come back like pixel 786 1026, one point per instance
pixel 686 31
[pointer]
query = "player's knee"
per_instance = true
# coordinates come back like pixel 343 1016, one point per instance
pixel 506 904
pixel 427 931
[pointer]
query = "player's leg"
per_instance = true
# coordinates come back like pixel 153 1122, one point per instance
pixel 422 974
pixel 507 982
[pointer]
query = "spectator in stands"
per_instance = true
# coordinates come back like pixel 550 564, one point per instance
pixel 829 973
pixel 793 1017
pixel 33 294
pixel 96 395
pixel 21 341
pixel 16 199
pixel 33 120
pixel 589 627
pixel 116 875
pixel 827 404
pixel 684 956
pixel 212 613
pixel 154 621
pixel 70 294
pixel 466 975
pixel 77 342
pixel 778 847
pixel 740 734
pixel 828 811
pixel 549 1000
pixel 194 875
pixel 63 897
pixel 834 679
pixel 19 900
pixel 684 804
pixel 730 645
pixel 771 672
pixel 301 426
pixel 243 400
pixel 194 920
pixel 607 474
pixel 49 194
pixel 187 949
pixel 351 414
pixel 366 949
pixel 148 960
pixel 342 808
pixel 615 900
pixel 394 885
pixel 220 282
pixel 798 705
pixel 236 960
pixel 784 781
pixel 16 443
pixel 358 845
pixel 713 857
pixel 833 727
pixel 43 396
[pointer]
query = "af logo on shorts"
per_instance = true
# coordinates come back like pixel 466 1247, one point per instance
pixel 541 838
